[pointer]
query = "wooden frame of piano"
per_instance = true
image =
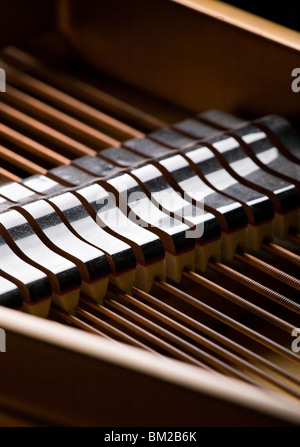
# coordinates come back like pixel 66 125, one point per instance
pixel 54 375
pixel 191 44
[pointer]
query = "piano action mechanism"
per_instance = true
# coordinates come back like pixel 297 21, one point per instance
pixel 149 224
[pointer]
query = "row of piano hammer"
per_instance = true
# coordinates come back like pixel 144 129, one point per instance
pixel 170 201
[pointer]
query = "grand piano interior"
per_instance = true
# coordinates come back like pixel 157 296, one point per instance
pixel 140 325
